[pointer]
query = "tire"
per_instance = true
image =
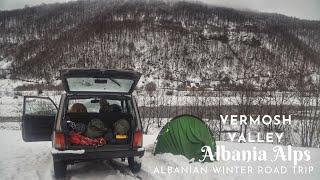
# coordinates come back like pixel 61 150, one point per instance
pixel 134 165
pixel 60 169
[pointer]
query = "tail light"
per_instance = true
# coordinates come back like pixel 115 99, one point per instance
pixel 59 141
pixel 137 139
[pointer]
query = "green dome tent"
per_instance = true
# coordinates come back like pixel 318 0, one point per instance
pixel 185 135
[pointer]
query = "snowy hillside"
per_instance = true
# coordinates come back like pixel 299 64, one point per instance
pixel 173 42
pixel 20 160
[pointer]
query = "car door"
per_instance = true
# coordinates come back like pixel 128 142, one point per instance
pixel 38 118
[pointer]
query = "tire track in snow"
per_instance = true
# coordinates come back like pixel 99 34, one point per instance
pixel 124 169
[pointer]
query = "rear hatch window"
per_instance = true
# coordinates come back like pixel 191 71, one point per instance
pixel 88 84
pixel 95 80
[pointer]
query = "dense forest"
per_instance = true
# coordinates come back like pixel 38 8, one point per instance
pixel 171 41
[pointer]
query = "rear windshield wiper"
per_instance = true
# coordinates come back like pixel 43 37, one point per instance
pixel 113 80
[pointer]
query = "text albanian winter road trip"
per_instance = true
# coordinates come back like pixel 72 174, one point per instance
pixel 278 153
pixel 253 159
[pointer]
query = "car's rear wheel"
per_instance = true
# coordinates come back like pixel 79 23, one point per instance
pixel 60 169
pixel 134 164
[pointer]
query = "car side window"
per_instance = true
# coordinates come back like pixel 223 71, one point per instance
pixel 39 106
pixel 130 108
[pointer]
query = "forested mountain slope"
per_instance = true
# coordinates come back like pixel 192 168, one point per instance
pixel 171 41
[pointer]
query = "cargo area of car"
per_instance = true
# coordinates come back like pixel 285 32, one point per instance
pixel 112 140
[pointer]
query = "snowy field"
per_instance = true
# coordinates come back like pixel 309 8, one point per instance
pixel 11 101
pixel 20 160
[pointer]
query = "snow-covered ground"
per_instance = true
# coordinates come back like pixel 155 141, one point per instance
pixel 11 101
pixel 20 160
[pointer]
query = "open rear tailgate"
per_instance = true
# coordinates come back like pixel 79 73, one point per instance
pixel 97 80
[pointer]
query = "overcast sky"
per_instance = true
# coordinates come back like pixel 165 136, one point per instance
pixel 305 9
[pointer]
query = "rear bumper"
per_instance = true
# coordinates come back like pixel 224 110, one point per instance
pixel 82 155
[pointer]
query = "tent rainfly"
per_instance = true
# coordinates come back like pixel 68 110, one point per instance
pixel 185 135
